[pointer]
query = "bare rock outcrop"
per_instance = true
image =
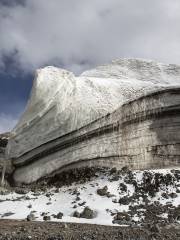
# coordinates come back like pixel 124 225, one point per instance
pixel 3 143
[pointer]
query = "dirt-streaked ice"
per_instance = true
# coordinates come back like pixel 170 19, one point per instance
pixel 61 102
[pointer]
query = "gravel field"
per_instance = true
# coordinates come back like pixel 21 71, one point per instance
pixel 22 230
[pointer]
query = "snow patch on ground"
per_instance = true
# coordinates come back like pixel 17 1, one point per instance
pixel 65 200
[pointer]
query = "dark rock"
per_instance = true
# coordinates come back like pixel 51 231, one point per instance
pixel 82 204
pixel 31 217
pixel 78 199
pixel 125 200
pixel 59 215
pixel 36 194
pixel 76 214
pixel 113 170
pixel 21 191
pixel 7 214
pixel 27 198
pixel 165 195
pixel 102 191
pixel 122 216
pixel 44 213
pixel 46 218
pixel 125 169
pixel 109 195
pixel 115 178
pixel 57 190
pixel 173 195
pixel 70 176
pixel 87 213
pixel 48 194
pixel 177 190
pixel 4 137
pixel 123 187
pixel 4 191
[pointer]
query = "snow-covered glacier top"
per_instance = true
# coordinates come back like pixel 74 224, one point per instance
pixel 60 102
pixel 138 69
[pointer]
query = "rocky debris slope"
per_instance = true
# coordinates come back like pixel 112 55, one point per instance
pixel 104 196
pixel 4 139
pixel 3 143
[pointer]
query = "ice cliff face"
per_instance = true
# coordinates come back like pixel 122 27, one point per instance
pixel 62 104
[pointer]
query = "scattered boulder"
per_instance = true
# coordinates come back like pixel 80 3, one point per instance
pixel 80 175
pixel 113 170
pixel 87 213
pixel 4 191
pixel 27 198
pixel 173 195
pixel 78 198
pixel 57 190
pixel 81 204
pixel 31 217
pixel 109 195
pixel 7 214
pixel 59 215
pixel 48 195
pixel 165 195
pixel 76 214
pixel 114 178
pixel 21 191
pixel 123 187
pixel 124 169
pixel 46 218
pixel 125 200
pixel 122 216
pixel 102 191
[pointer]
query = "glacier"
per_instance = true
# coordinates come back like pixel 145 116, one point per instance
pixel 111 115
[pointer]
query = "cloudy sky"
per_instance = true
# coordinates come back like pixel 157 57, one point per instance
pixel 77 35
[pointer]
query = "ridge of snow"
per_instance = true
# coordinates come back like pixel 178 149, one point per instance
pixel 138 69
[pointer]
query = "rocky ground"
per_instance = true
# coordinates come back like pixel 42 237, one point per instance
pixel 133 204
pixel 22 230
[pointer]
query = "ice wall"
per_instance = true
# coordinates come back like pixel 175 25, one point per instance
pixel 63 119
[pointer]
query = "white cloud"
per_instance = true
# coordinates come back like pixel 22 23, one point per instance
pixel 7 122
pixel 80 34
